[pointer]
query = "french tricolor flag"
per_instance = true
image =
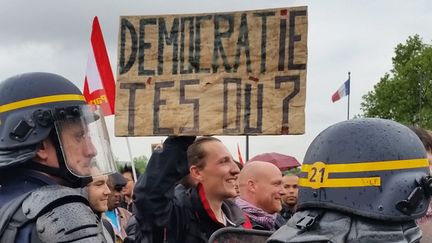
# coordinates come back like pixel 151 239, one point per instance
pixel 344 90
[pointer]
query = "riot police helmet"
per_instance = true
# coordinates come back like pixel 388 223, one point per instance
pixel 369 167
pixel 38 106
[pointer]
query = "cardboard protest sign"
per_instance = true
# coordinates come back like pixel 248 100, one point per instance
pixel 220 73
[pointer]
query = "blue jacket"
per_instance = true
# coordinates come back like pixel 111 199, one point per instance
pixel 15 183
pixel 36 200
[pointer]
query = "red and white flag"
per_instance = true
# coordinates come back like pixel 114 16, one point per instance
pixel 344 90
pixel 239 155
pixel 99 86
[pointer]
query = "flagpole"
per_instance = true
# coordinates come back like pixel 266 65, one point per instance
pixel 349 93
pixel 131 159
pixel 247 148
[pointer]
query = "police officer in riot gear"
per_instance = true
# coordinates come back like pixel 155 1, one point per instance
pixel 49 141
pixel 362 180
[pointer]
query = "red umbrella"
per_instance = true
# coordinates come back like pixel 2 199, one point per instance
pixel 282 161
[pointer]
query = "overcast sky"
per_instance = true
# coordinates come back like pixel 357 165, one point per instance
pixel 344 35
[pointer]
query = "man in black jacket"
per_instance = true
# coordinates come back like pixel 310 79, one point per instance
pixel 289 200
pixel 191 215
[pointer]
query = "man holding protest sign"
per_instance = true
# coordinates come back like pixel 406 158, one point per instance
pixel 198 74
pixel 194 214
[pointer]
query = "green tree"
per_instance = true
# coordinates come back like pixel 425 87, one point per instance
pixel 140 163
pixel 404 94
pixel 119 165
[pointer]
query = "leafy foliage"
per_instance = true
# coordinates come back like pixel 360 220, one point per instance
pixel 140 163
pixel 404 94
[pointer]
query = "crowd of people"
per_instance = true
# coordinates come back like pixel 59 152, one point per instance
pixel 362 180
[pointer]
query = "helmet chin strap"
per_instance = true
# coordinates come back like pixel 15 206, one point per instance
pixel 68 178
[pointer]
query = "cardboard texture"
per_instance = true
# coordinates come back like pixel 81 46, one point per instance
pixel 212 74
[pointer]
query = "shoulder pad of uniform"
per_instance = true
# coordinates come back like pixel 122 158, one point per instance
pixel 72 222
pixel 48 197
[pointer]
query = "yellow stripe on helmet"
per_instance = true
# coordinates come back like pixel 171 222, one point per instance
pixel 341 182
pixel 40 100
pixel 318 173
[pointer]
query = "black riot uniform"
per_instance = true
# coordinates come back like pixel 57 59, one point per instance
pixel 38 202
pixel 362 180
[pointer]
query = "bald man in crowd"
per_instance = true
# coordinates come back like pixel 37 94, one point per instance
pixel 261 190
